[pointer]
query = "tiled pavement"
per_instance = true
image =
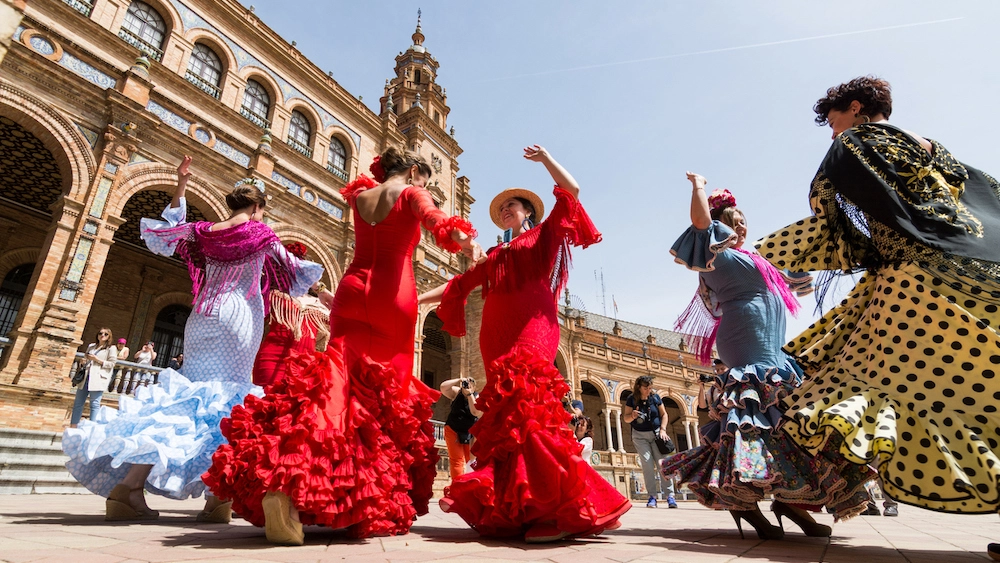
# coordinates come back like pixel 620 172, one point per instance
pixel 71 529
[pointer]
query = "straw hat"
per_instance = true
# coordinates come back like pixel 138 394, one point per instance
pixel 522 193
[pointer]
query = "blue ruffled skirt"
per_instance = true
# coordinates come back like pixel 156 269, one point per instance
pixel 173 426
pixel 744 457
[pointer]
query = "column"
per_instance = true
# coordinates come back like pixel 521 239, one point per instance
pixel 687 431
pixel 607 428
pixel 697 432
pixel 618 429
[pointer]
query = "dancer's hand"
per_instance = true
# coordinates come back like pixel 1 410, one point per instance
pixel 536 153
pixel 183 172
pixel 698 181
pixel 473 251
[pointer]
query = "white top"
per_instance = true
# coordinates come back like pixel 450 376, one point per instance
pixel 588 448
pixel 144 358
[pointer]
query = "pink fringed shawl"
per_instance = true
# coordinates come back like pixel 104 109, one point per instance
pixel 700 320
pixel 231 251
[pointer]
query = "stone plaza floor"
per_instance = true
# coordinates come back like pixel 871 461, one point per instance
pixel 71 529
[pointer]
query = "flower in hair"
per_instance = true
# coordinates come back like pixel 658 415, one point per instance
pixel 721 199
pixel 296 249
pixel 376 169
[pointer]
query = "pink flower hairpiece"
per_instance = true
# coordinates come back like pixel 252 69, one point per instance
pixel 378 173
pixel 721 199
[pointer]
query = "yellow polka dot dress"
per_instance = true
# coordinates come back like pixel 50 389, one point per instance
pixel 903 372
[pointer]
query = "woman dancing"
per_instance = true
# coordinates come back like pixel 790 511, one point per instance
pixel 295 324
pixel 345 440
pixel 163 439
pixel 741 306
pixel 902 373
pixel 529 480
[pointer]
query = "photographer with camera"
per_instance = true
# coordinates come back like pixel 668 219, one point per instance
pixel 645 412
pixel 461 417
pixel 708 391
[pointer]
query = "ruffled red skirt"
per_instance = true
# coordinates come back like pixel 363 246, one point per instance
pixel 351 448
pixel 528 465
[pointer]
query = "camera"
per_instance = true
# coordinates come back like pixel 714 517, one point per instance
pixel 706 378
pixel 465 384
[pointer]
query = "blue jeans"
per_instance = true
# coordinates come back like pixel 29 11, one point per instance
pixel 81 397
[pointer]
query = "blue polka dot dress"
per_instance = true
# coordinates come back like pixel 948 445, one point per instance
pixel 174 425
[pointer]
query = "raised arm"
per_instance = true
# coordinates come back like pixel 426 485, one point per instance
pixel 701 217
pixel 560 175
pixel 432 297
pixel 183 175
pixel 453 234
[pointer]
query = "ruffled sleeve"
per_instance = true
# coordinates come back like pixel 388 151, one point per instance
pixel 570 220
pixel 438 222
pixel 698 248
pixel 161 237
pixel 299 275
pixel 451 311
pixel 352 189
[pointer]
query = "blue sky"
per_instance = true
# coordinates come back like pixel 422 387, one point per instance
pixel 630 95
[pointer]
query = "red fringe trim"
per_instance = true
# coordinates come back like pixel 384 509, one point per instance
pixel 362 183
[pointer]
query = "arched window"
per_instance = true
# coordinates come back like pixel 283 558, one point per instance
pixel 299 132
pixel 168 333
pixel 256 104
pixel 336 158
pixel 12 290
pixel 144 29
pixel 205 70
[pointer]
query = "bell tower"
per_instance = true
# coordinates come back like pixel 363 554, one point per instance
pixel 415 85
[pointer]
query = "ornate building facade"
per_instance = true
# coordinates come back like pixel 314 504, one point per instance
pixel 99 100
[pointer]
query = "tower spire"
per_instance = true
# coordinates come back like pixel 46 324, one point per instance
pixel 418 35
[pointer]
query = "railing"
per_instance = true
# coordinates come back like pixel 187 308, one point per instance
pixel 81 6
pixel 257 120
pixel 337 172
pixel 438 432
pixel 126 377
pixel 141 44
pixel 204 85
pixel 299 147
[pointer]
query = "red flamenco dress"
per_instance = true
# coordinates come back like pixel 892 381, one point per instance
pixel 347 434
pixel 528 466
pixel 296 325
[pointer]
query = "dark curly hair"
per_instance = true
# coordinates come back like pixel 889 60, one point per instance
pixel 874 95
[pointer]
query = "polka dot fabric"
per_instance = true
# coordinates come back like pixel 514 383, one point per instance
pixel 904 368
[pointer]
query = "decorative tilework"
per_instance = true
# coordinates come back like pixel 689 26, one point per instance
pixel 103 188
pixel 17 32
pixel 612 385
pixel 91 136
pixel 169 117
pixel 292 186
pixel 690 402
pixel 192 20
pixel 90 228
pixel 255 182
pixel 110 168
pixel 42 45
pixel 79 259
pixel 202 136
pixel 67 295
pixel 330 208
pixel 139 159
pixel 88 72
pixel 227 150
pixel 308 196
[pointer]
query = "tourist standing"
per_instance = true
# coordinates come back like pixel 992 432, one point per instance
pixel 461 416
pixel 645 412
pixel 100 366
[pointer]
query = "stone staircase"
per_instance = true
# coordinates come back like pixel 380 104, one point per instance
pixel 32 462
